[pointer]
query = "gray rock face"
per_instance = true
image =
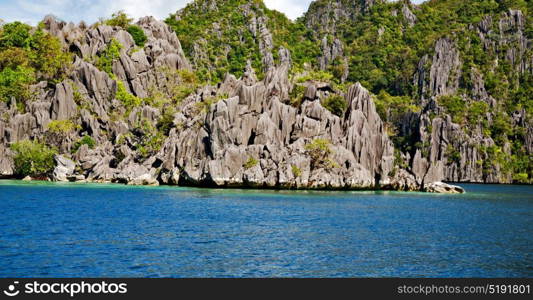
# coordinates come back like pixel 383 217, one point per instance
pixel 366 136
pixel 324 16
pixel 244 132
pixel 145 179
pixel 408 15
pixel 332 52
pixel 64 168
pixel 403 181
pixel 511 27
pixel 442 78
pixel 453 152
pixel 97 87
pixel 453 155
pixel 6 163
pixel 254 139
pixel 443 75
pixel 63 105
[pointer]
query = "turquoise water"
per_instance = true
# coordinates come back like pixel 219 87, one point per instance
pixel 83 230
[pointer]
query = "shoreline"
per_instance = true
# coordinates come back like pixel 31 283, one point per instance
pixel 237 187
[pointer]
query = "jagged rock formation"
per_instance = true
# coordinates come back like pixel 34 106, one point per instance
pixel 326 16
pixel 446 138
pixel 323 19
pixel 444 72
pixel 252 123
pixel 232 28
pixel 64 168
pixel 255 124
pixel 441 140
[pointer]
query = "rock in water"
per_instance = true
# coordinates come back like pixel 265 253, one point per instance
pixel 145 179
pixel 443 188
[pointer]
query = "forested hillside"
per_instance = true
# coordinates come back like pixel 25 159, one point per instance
pixel 470 60
pixel 354 94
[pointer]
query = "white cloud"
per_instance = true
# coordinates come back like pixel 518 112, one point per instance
pixel 296 8
pixel 32 11
pixel 292 8
pixel 157 8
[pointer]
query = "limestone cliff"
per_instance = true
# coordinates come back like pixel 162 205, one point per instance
pixel 261 109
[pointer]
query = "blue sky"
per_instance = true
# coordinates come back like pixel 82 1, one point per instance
pixel 32 11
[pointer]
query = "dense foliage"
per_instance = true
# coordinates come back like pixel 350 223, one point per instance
pixel 220 41
pixel 384 51
pixel 108 55
pixel 137 34
pixel 381 49
pixel 85 140
pixel 335 104
pixel 28 55
pixel 120 19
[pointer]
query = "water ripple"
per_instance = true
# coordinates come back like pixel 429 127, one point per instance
pixel 68 230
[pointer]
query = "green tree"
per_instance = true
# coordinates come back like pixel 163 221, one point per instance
pixel 47 56
pixel 33 158
pixel 58 131
pixel 108 55
pixel 85 140
pixel 296 172
pixel 166 122
pixel 319 150
pixel 392 108
pixel 15 83
pixel 14 57
pixel 61 126
pixel 138 35
pixel 129 100
pixel 147 139
pixel 335 104
pixel 15 34
pixel 250 163
pixel 120 19
pixel 455 106
pixel 26 56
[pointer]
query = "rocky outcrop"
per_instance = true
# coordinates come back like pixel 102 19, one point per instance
pixel 443 188
pixel 513 38
pixel 451 151
pixel 325 19
pixel 256 125
pixel 443 76
pixel 64 168
pixel 216 44
pixel 332 52
pixel 409 16
pixel 149 126
pixel 257 25
pixel 325 16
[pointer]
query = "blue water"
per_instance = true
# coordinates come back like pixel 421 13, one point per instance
pixel 82 230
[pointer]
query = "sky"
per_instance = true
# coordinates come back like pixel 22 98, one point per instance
pixel 33 11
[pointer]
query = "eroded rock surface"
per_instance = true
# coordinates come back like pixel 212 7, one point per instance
pixel 247 131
